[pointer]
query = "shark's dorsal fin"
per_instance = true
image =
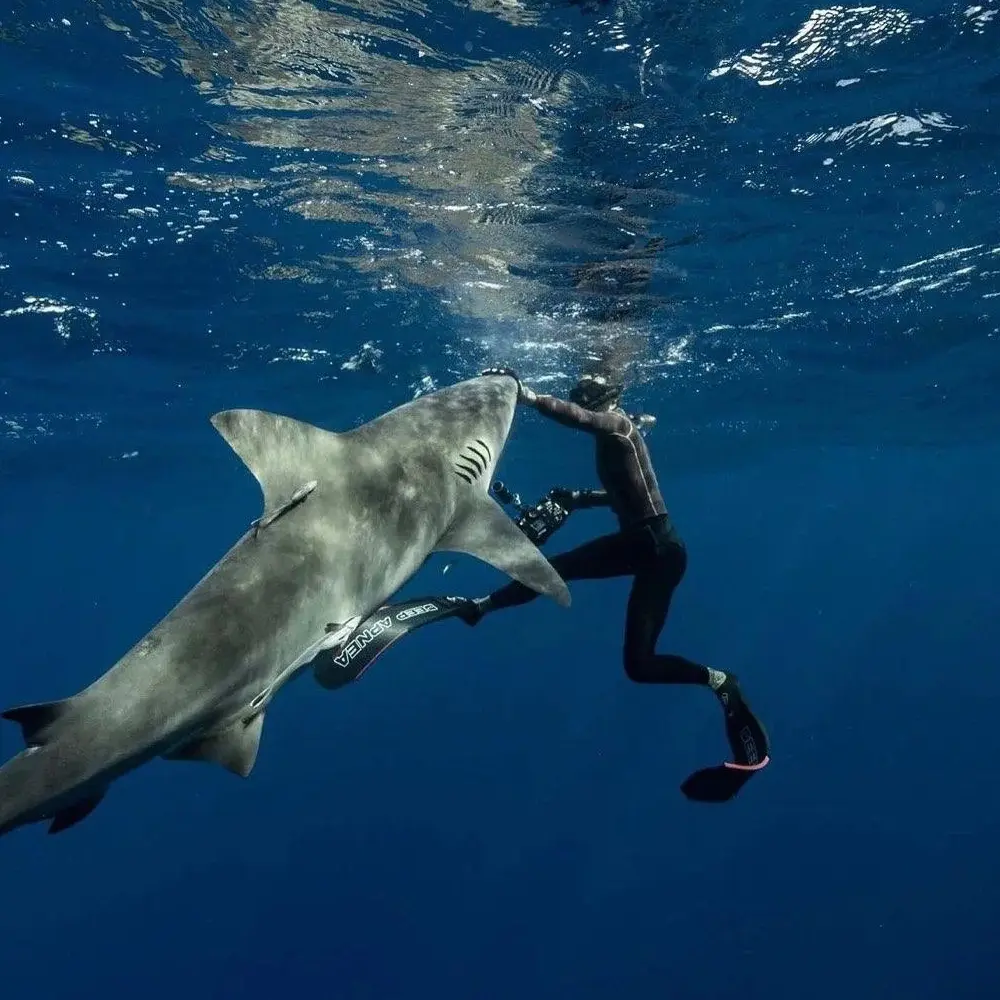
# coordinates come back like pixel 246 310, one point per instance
pixel 282 453
pixel 234 748
pixel 34 720
pixel 483 530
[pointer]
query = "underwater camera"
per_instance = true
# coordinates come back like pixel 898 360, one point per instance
pixel 538 521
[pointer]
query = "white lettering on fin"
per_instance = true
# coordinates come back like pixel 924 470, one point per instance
pixel 361 640
pixel 408 613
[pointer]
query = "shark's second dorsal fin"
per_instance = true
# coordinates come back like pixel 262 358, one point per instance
pixel 281 452
pixel 34 720
pixel 483 530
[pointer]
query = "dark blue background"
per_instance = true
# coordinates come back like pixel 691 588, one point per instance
pixel 495 813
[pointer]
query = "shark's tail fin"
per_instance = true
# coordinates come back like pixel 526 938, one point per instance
pixel 36 721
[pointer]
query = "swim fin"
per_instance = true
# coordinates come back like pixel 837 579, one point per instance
pixel 717 784
pixel 386 625
pixel 748 742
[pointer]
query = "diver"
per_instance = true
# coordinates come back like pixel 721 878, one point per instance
pixel 646 547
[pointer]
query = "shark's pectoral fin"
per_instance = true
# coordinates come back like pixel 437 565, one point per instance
pixel 486 532
pixel 34 720
pixel 79 810
pixel 234 748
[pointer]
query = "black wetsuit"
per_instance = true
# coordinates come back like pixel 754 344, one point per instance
pixel 647 547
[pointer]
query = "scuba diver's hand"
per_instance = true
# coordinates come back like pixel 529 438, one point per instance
pixel 524 394
pixel 571 500
pixel 563 496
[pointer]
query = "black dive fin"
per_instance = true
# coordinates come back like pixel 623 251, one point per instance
pixel 234 748
pixel 746 734
pixel 79 810
pixel 336 667
pixel 716 784
pixel 35 719
pixel 749 743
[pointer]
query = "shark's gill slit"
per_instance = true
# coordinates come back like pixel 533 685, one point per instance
pixel 470 454
pixel 466 465
pixel 482 458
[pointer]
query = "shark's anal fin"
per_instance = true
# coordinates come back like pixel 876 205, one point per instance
pixel 234 748
pixel 35 719
pixel 73 814
pixel 486 532
pixel 270 516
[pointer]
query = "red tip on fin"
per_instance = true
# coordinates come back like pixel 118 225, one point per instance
pixel 747 767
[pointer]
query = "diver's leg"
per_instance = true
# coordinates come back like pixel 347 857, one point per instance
pixel 598 559
pixel 648 607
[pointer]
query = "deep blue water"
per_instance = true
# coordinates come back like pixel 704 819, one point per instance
pixel 326 208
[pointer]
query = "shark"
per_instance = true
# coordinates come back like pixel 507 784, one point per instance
pixel 348 518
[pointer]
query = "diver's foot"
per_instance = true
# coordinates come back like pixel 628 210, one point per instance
pixel 748 742
pixel 472 611
pixel 747 736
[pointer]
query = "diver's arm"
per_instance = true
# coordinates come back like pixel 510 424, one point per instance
pixel 593 498
pixel 562 411
pixel 579 499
